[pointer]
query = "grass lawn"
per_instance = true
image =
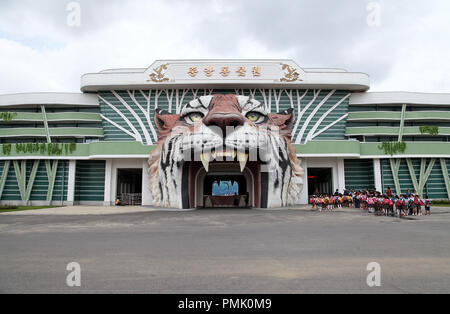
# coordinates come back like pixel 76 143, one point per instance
pixel 20 208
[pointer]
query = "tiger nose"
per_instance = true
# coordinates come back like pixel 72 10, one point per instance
pixel 222 120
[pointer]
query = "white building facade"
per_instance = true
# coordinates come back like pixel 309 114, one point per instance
pixel 93 147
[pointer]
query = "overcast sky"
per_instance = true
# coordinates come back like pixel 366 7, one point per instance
pixel 405 47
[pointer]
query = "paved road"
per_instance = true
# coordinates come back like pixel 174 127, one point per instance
pixel 225 251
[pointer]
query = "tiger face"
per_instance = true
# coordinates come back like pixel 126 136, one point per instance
pixel 231 130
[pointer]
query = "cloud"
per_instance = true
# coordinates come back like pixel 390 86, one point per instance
pixel 40 52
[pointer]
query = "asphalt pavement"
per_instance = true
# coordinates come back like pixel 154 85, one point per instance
pixel 225 251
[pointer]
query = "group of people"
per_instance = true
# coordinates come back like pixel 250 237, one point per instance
pixel 330 202
pixel 388 204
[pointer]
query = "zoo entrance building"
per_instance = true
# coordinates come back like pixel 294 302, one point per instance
pixel 93 147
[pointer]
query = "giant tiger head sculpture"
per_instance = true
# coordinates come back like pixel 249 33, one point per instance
pixel 231 129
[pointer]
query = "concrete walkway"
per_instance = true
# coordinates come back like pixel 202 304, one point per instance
pixel 84 210
pixel 114 210
pixel 111 210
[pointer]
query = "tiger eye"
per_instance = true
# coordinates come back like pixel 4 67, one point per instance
pixel 253 116
pixel 195 116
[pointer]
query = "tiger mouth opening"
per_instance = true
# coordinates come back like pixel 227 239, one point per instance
pixel 225 162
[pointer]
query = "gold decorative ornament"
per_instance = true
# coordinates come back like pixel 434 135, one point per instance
pixel 225 71
pixel 256 70
pixel 192 71
pixel 158 76
pixel 241 71
pixel 291 75
pixel 208 71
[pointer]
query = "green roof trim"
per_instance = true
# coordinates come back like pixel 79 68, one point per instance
pixel 424 115
pixel 41 132
pixel 396 115
pixel 23 132
pixel 374 115
pixel 128 149
pixel 55 117
pixel 86 151
pixel 369 149
pixel 412 148
pixel 94 132
pixel 329 147
pixel 394 131
pixel 74 116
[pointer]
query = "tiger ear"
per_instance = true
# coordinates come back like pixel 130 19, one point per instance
pixel 164 120
pixel 284 119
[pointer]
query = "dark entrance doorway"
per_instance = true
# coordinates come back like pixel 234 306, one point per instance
pixel 225 190
pixel 319 181
pixel 129 186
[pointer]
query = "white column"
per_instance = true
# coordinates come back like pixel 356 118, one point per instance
pixel 108 176
pixel 146 195
pixel 71 182
pixel 303 199
pixel 377 174
pixel 334 176
pixel 341 175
